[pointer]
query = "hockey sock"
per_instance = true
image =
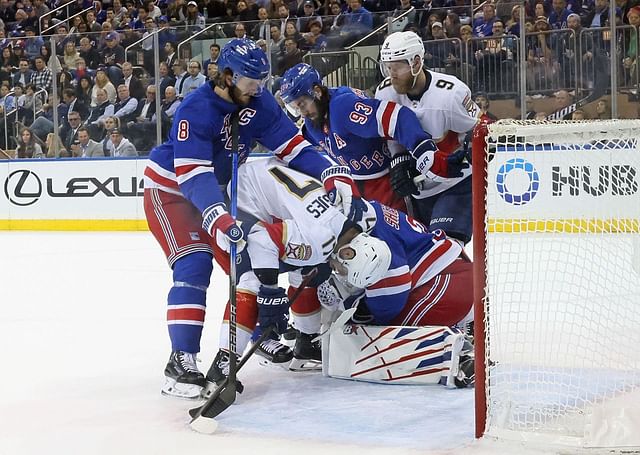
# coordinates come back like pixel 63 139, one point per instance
pixel 306 310
pixel 187 301
pixel 246 318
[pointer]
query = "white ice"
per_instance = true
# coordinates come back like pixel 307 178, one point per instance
pixel 84 339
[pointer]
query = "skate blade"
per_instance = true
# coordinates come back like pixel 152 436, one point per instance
pixel 275 366
pixel 180 390
pixel 305 365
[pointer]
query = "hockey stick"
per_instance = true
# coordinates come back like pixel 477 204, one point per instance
pixel 561 113
pixel 203 416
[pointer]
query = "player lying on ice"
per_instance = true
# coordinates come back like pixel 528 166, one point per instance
pixel 185 207
pixel 404 275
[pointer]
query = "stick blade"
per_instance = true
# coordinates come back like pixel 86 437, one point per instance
pixel 226 398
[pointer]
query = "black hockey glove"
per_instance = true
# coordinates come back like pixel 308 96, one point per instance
pixel 402 172
pixel 273 308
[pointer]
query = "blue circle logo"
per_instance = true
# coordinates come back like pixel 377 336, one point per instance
pixel 525 171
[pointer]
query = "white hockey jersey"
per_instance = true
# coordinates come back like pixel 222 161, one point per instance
pixel 445 110
pixel 272 192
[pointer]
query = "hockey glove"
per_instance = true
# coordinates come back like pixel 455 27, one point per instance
pixel 401 173
pixel 273 308
pixel 342 192
pixel 436 164
pixel 216 220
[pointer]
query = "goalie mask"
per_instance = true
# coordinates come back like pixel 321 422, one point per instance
pixel 363 261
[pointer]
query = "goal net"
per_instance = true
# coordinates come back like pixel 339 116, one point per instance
pixel 557 282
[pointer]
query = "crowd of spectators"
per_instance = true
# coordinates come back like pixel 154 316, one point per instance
pixel 107 106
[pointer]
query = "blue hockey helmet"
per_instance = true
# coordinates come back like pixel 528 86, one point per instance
pixel 245 60
pixel 297 81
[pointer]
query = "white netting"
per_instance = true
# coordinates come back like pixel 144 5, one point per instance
pixel 563 285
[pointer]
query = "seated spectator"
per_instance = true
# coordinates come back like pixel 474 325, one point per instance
pixel 74 104
pixel 70 57
pixel 166 79
pixel 559 14
pixel 32 43
pixel 603 110
pixel 452 25
pixel 125 107
pixel 439 51
pixel 69 132
pixel 109 124
pixel 483 26
pixel 85 147
pixel 283 18
pixel 132 82
pixel 43 124
pixel 120 146
pixel 8 61
pixel 482 100
pixel 410 19
pixel 113 57
pixel 194 21
pixel 171 102
pixel 55 148
pixel 212 71
pixel 214 54
pixel 102 81
pixel 261 29
pixel 304 21
pixel 629 61
pixel 291 57
pixel 98 115
pixel 563 101
pixel 338 17
pixel 358 22
pixel 290 31
pixel 277 44
pixel 578 114
pixel 240 31
pixel 7 105
pixel 93 25
pixel 23 75
pixel 180 73
pixel 193 80
pixel 89 53
pixel 81 71
pixel 28 147
pixel 244 13
pixel 314 40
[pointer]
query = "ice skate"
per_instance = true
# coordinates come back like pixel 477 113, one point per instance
pixel 217 373
pixel 307 354
pixel 274 353
pixel 182 377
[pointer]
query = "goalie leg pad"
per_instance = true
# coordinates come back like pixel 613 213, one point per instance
pixel 395 355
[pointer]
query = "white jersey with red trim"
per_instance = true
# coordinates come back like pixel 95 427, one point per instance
pixel 417 256
pixel 446 111
pixel 302 224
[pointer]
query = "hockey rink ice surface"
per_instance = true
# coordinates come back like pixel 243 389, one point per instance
pixel 82 327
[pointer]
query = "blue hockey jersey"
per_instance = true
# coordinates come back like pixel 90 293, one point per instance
pixel 417 256
pixel 357 129
pixel 196 159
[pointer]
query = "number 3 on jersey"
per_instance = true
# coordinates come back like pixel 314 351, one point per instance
pixel 361 113
pixel 183 130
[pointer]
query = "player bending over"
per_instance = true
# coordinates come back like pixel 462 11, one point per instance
pixel 183 202
pixel 404 274
pixel 443 104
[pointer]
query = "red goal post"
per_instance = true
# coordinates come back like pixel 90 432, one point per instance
pixel 556 246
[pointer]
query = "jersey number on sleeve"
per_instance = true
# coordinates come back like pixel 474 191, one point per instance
pixel 361 113
pixel 183 130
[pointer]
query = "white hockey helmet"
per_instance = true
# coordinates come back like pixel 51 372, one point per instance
pixel 401 46
pixel 368 262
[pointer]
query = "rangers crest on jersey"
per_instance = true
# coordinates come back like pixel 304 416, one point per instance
pixel 301 252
